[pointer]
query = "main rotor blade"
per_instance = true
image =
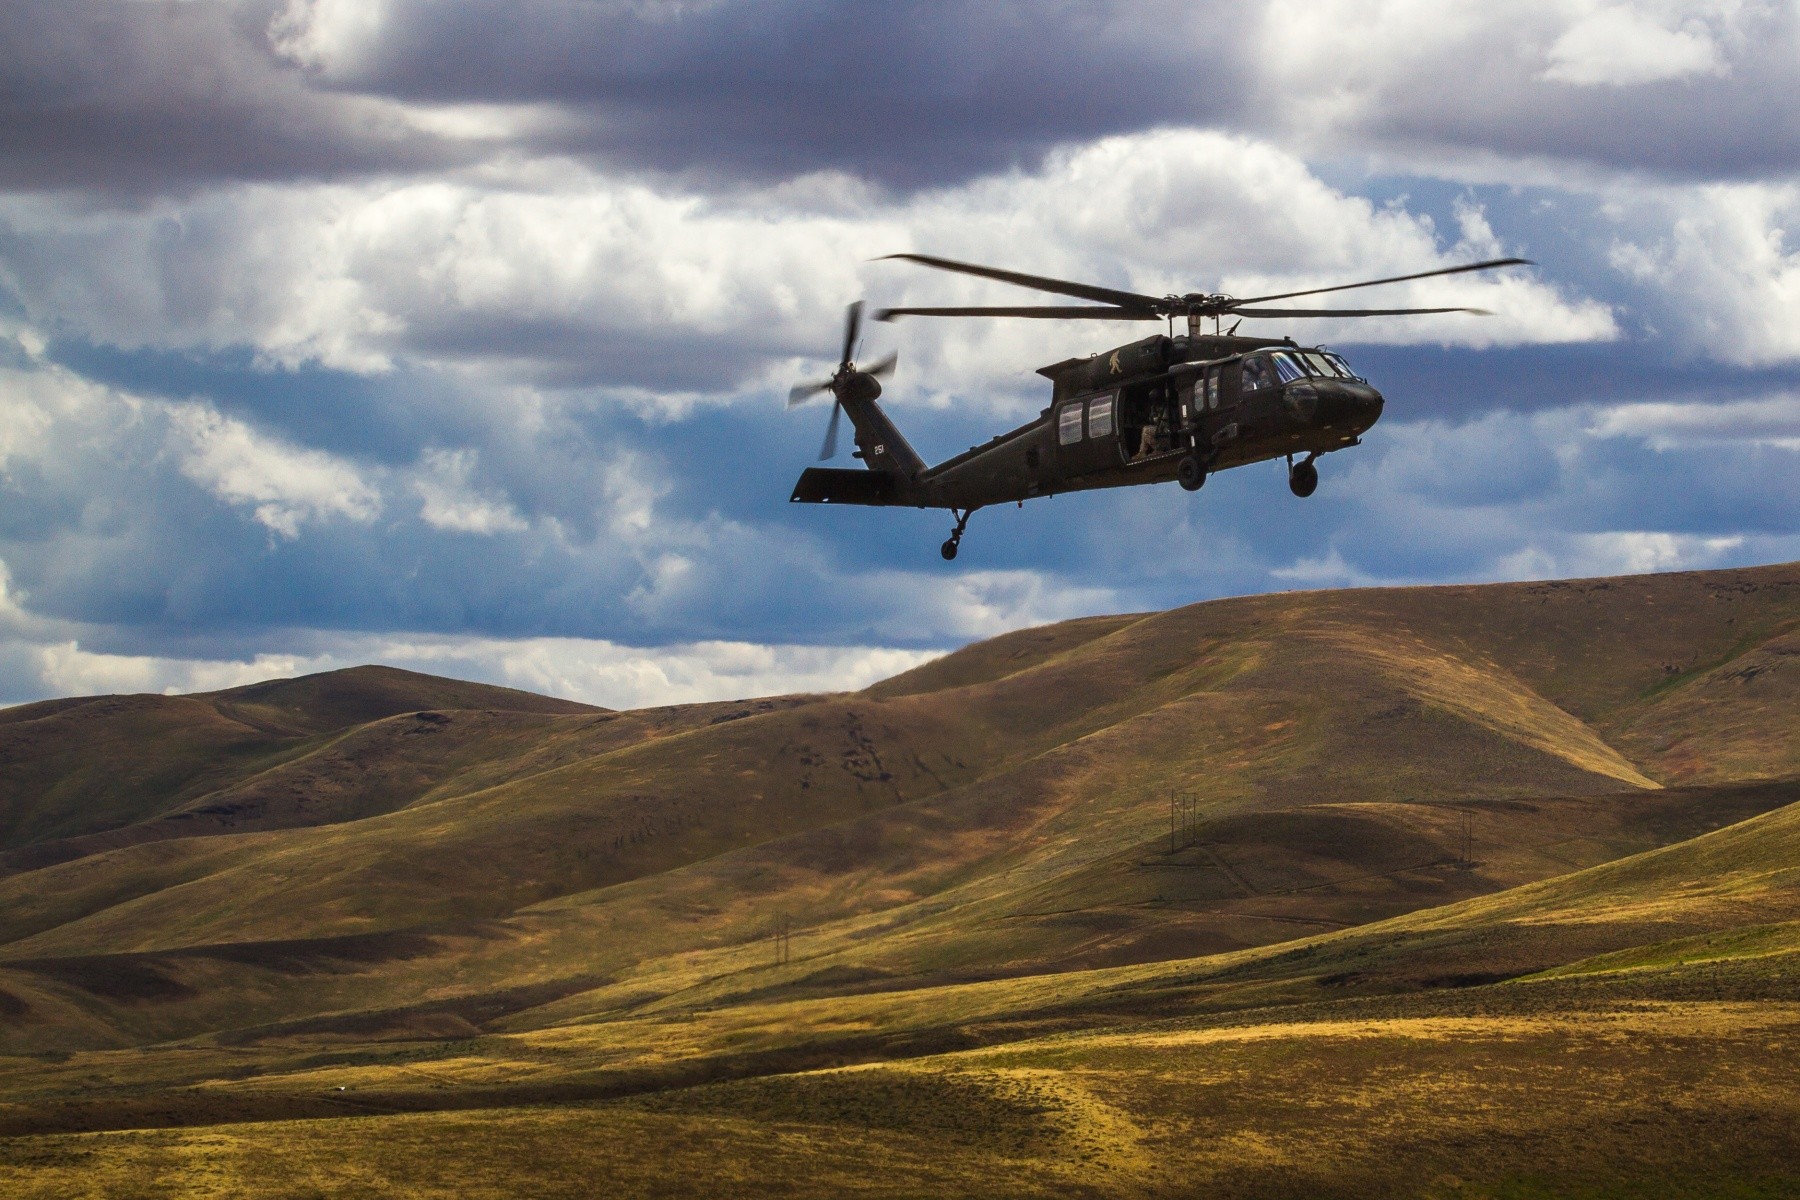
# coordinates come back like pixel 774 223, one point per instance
pixel 852 326
pixel 1344 287
pixel 829 449
pixel 800 393
pixel 1042 283
pixel 1075 312
pixel 1344 312
pixel 883 368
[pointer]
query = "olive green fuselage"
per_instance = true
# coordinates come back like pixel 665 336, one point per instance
pixel 1124 417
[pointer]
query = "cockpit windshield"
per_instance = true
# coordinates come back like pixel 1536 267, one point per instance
pixel 1288 367
pixel 1321 365
pixel 1338 364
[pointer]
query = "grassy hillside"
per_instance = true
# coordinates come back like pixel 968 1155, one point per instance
pixel 69 768
pixel 1320 893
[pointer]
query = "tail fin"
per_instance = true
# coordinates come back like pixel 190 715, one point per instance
pixel 881 445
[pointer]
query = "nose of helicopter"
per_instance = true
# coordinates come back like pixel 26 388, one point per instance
pixel 1351 407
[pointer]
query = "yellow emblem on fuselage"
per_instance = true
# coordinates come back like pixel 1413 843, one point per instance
pixel 1113 363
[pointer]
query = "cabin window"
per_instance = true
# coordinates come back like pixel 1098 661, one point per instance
pixel 1257 374
pixel 1100 417
pixel 1068 424
pixel 1288 368
pixel 1212 388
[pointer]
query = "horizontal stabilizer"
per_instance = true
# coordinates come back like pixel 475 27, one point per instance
pixel 831 485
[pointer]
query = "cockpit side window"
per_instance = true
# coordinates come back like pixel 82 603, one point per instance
pixel 1257 374
pixel 1337 360
pixel 1287 367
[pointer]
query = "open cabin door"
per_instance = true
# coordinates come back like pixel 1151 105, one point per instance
pixel 1150 422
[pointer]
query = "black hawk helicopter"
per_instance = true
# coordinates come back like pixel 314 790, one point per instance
pixel 1167 407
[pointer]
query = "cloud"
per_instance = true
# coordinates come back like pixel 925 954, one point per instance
pixel 565 278
pixel 450 500
pixel 1725 274
pixel 1542 91
pixel 131 99
pixel 164 97
pixel 1771 421
pixel 920 92
pixel 1624 47
pixel 594 671
pixel 1624 552
pixel 283 484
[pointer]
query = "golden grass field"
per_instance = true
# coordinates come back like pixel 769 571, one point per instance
pixel 1472 892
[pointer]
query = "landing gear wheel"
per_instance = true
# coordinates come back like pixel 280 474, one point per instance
pixel 949 548
pixel 1303 479
pixel 1190 473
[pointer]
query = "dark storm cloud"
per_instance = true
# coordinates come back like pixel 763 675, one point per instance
pixel 1740 127
pixel 160 96
pixel 911 93
pixel 1678 90
pixel 165 95
pixel 156 96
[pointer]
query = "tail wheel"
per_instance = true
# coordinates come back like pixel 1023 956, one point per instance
pixel 1190 473
pixel 1303 479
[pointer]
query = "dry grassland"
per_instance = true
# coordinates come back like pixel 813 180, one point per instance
pixel 1480 892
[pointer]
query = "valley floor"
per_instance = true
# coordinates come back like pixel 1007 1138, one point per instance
pixel 1491 1092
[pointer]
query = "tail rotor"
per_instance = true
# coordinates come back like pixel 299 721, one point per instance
pixel 844 381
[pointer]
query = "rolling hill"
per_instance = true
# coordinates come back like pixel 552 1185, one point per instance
pixel 1107 907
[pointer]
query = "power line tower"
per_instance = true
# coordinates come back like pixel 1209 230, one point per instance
pixel 782 935
pixel 1184 819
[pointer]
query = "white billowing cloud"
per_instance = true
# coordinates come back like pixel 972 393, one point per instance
pixel 622 677
pixel 1328 570
pixel 1622 552
pixel 38 402
pixel 1727 270
pixel 285 485
pixel 555 265
pixel 1185 210
pixel 593 671
pixel 1666 425
pixel 975 604
pixel 1622 45
pixel 258 266
pixel 450 500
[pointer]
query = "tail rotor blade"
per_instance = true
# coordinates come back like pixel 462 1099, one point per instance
pixel 801 393
pixel 852 327
pixel 829 449
pixel 884 368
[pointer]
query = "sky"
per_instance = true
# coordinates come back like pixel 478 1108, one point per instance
pixel 457 335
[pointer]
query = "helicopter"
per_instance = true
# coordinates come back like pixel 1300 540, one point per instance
pixel 1167 407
